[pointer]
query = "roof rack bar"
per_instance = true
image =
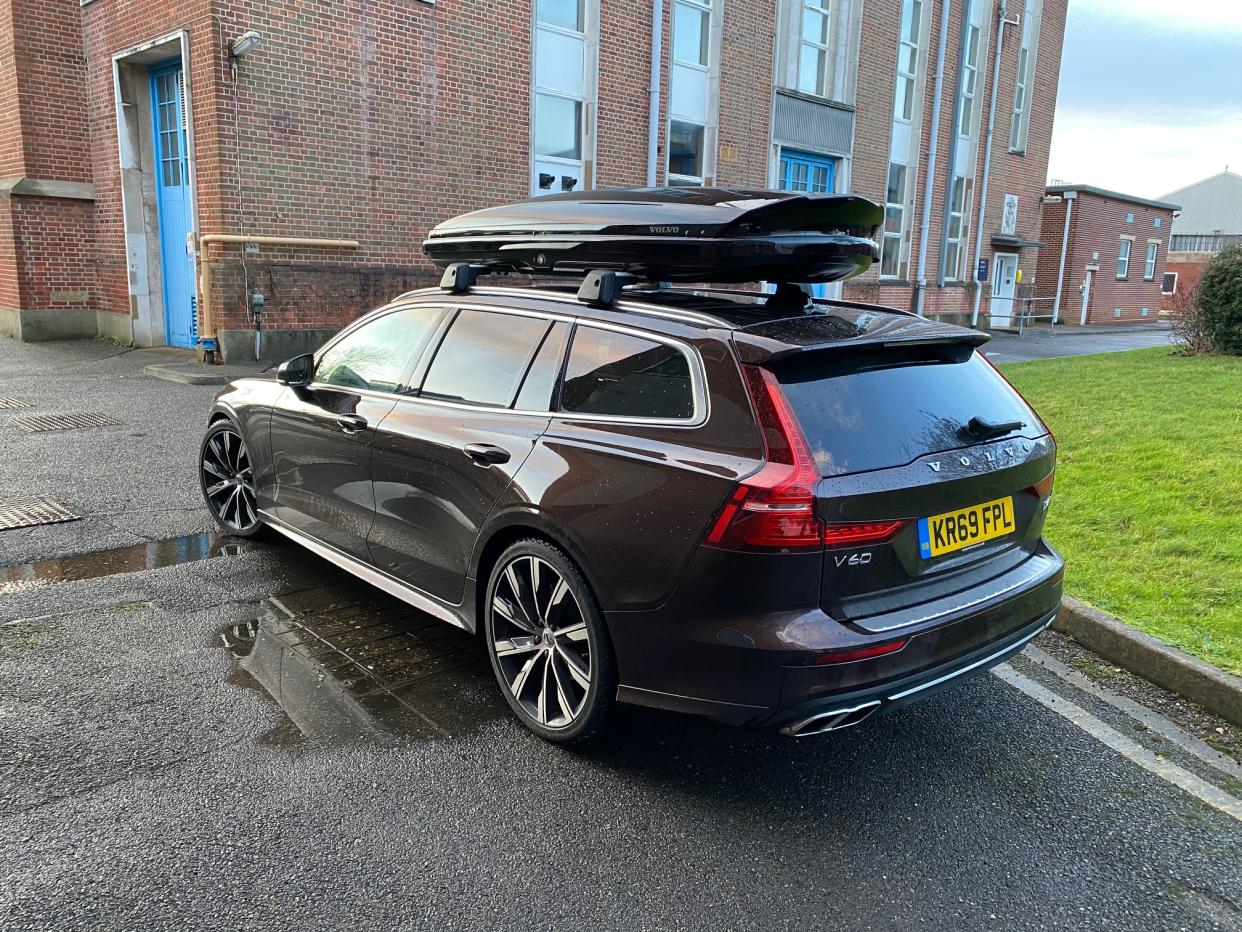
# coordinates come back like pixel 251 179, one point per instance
pixel 461 276
pixel 602 286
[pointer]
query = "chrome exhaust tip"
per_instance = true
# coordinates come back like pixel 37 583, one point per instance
pixel 832 720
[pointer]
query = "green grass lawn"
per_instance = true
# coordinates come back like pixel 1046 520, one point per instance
pixel 1147 507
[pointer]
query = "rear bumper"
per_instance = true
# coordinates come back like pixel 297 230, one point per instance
pixel 841 710
pixel 740 667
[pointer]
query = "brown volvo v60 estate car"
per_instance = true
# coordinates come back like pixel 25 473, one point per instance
pixel 751 507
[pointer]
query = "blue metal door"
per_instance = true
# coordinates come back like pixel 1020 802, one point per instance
pixel 814 174
pixel 172 185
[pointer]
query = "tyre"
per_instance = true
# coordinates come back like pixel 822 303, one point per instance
pixel 227 480
pixel 548 645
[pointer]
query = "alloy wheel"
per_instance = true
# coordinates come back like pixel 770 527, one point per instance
pixel 541 641
pixel 228 481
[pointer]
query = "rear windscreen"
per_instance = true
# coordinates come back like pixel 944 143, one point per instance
pixel 873 410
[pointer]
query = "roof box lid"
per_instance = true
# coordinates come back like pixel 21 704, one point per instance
pixel 670 234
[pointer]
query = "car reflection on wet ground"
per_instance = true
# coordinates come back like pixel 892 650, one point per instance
pixel 347 664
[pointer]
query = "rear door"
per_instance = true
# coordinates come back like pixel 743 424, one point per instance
pixel 929 435
pixel 322 433
pixel 451 446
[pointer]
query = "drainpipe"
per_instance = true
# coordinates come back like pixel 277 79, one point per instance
pixel 653 105
pixel 987 152
pixel 207 321
pixel 937 95
pixel 1069 197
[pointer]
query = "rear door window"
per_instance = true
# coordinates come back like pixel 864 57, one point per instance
pixel 872 410
pixel 619 375
pixel 483 357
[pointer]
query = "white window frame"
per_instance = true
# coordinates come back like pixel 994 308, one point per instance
pixel 907 78
pixel 1149 261
pixel 1172 290
pixel 822 8
pixel 1019 129
pixel 895 239
pixel 970 76
pixel 1123 257
pixel 709 71
pixel 590 68
pixel 962 240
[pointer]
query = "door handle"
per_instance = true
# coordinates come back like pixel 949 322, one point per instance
pixel 486 454
pixel 351 423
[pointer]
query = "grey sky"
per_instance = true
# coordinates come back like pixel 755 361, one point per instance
pixel 1151 94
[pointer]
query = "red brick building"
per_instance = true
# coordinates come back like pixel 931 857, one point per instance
pixel 142 143
pixel 1111 269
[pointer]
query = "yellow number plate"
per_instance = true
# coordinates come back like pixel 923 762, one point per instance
pixel 956 530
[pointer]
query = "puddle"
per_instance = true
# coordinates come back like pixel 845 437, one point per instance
pixel 346 665
pixel 189 548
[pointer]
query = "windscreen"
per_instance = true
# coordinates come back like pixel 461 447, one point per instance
pixel 887 407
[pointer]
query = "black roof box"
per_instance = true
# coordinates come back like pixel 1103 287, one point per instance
pixel 670 234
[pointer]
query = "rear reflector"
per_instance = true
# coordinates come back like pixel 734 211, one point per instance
pixel 1043 488
pixel 862 653
pixel 852 534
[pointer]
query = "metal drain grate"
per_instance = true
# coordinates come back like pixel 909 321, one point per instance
pixel 37 422
pixel 13 403
pixel 27 512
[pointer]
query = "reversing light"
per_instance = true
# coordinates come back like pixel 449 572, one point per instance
pixel 851 534
pixel 849 655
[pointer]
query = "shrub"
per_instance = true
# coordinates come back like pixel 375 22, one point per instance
pixel 1186 321
pixel 1220 301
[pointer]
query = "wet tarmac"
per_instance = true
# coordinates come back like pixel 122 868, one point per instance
pixel 346 664
pixel 188 548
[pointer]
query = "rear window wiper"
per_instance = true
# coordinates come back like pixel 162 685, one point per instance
pixel 984 429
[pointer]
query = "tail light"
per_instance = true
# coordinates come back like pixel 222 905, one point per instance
pixel 849 655
pixel 1043 488
pixel 775 508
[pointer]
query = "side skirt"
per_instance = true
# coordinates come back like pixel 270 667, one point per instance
pixel 367 573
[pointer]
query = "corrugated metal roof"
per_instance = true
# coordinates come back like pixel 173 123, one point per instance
pixel 1209 206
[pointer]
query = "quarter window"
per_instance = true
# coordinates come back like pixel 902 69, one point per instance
pixel 483 356
pixel 619 375
pixel 536 392
pixel 1123 259
pixel 374 356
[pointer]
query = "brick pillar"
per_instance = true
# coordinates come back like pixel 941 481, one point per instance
pixel 46 195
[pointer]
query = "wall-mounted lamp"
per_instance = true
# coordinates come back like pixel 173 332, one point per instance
pixel 241 46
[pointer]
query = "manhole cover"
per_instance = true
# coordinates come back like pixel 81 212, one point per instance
pixel 36 422
pixel 13 403
pixel 27 512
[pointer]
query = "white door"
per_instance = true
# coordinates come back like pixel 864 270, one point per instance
pixel 1086 296
pixel 1004 281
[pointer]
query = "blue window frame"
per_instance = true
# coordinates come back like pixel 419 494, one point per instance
pixel 805 171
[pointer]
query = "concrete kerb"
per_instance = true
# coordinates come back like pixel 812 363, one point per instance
pixel 1215 690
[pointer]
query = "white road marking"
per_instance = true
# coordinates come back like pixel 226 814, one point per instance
pixel 1149 719
pixel 1196 786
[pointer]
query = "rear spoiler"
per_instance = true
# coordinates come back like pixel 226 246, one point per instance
pixel 774 340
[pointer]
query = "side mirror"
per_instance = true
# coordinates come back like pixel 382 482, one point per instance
pixel 298 371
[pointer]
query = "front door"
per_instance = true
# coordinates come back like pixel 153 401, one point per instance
pixel 1086 296
pixel 443 459
pixel 1004 282
pixel 322 434
pixel 172 200
pixel 812 174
